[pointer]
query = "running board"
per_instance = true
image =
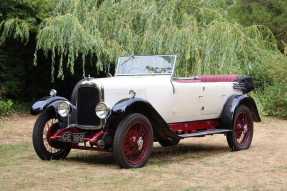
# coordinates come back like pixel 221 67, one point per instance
pixel 203 133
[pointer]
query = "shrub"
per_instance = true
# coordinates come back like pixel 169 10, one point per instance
pixel 274 100
pixel 6 107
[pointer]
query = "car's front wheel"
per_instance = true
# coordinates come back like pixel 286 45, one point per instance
pixel 45 126
pixel 242 131
pixel 133 141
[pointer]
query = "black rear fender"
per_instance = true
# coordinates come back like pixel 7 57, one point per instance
pixel 232 104
pixel 138 105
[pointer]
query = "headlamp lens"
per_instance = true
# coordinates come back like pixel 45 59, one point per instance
pixel 63 109
pixel 102 110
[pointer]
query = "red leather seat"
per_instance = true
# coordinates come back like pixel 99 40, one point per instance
pixel 219 78
pixel 210 78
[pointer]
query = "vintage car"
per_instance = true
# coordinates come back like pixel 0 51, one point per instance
pixel 144 102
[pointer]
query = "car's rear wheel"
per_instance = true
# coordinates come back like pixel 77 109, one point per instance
pixel 45 126
pixel 242 131
pixel 133 141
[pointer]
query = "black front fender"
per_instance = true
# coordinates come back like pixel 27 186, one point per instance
pixel 46 103
pixel 230 106
pixel 137 105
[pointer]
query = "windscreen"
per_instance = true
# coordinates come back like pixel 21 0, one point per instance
pixel 145 65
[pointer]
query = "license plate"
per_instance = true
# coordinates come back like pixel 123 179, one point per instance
pixel 73 137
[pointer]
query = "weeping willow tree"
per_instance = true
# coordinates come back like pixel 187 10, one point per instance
pixel 14 28
pixel 199 32
pixel 20 18
pixel 202 33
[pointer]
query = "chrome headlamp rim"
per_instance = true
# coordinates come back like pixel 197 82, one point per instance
pixel 63 108
pixel 102 110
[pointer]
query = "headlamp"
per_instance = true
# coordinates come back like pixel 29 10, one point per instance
pixel 63 109
pixel 102 110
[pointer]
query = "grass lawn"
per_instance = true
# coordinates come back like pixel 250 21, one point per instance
pixel 195 164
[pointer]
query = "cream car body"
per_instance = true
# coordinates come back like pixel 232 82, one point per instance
pixel 144 102
pixel 175 101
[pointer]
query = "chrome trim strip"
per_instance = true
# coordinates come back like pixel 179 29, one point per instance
pixel 102 99
pixel 87 127
pixel 174 67
pixel 151 74
pixel 172 74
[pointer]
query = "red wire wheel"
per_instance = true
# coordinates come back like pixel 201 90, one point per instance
pixel 46 149
pixel 241 136
pixel 133 141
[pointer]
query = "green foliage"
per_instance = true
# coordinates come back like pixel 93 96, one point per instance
pixel 274 100
pixel 205 35
pixel 6 107
pixel 18 18
pixel 14 28
pixel 270 13
pixel 199 32
pixel 12 70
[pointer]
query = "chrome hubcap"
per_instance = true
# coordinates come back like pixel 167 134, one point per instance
pixel 140 143
pixel 245 128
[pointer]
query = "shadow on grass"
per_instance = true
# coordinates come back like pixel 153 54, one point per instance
pixel 92 157
pixel 160 155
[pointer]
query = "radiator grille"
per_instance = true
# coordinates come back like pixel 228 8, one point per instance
pixel 88 98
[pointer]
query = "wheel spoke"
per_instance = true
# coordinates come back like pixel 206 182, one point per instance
pixel 48 130
pixel 135 142
pixel 142 132
pixel 242 128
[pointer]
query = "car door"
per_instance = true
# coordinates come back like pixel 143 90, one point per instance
pixel 214 97
pixel 187 100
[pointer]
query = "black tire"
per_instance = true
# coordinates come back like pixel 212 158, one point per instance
pixel 62 149
pixel 245 132
pixel 168 143
pixel 122 136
